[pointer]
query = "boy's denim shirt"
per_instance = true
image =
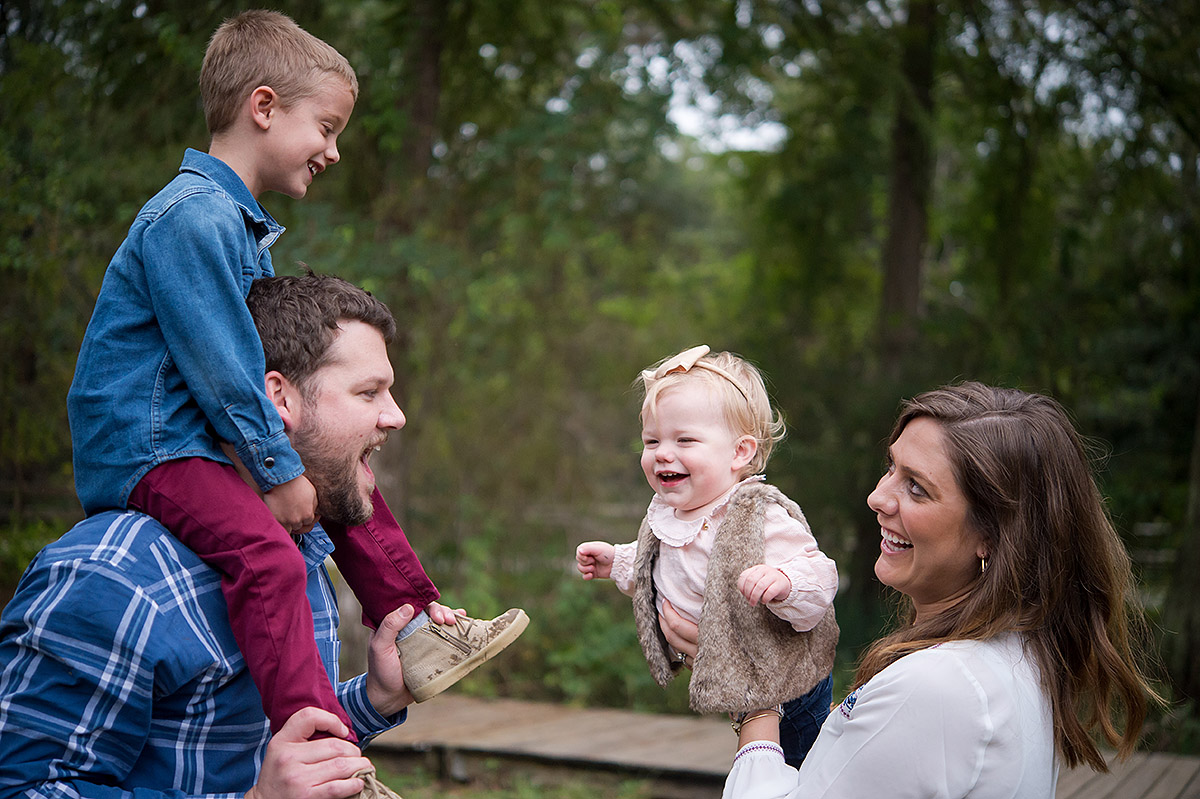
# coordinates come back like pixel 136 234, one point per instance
pixel 171 363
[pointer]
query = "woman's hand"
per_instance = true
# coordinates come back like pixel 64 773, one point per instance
pixel 681 634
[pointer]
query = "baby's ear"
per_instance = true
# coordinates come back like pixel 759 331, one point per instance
pixel 744 452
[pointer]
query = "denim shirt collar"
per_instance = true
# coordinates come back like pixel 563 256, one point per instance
pixel 223 175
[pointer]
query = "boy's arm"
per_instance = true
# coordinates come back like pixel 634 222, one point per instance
pixel 195 277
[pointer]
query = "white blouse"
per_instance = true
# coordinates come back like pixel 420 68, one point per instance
pixel 962 719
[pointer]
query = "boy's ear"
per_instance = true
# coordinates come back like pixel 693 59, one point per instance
pixel 285 397
pixel 263 104
pixel 744 452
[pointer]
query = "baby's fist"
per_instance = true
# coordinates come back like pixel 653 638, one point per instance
pixel 594 559
pixel 763 584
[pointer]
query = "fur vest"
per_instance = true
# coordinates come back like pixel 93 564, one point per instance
pixel 748 657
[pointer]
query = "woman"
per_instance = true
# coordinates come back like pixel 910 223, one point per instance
pixel 1016 642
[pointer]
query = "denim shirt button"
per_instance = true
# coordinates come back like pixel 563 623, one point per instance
pixel 269 462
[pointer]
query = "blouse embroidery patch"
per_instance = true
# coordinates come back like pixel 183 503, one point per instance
pixel 848 703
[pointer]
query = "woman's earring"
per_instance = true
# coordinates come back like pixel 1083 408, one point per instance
pixel 982 565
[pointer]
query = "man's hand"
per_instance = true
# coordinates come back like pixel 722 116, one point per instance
pixel 296 767
pixel 385 675
pixel 594 559
pixel 294 504
pixel 763 584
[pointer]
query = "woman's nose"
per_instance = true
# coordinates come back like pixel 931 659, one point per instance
pixel 882 499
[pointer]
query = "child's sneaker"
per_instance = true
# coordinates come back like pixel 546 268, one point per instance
pixel 373 788
pixel 438 655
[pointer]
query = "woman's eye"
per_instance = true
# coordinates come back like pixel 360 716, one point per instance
pixel 915 489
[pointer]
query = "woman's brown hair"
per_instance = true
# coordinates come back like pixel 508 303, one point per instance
pixel 1057 571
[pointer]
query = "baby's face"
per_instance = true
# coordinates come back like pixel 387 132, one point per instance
pixel 689 455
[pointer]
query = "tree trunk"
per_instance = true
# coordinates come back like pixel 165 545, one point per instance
pixel 909 186
pixel 1181 614
pixel 403 203
pixel 908 228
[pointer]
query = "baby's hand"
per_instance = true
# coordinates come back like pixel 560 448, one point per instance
pixel 595 559
pixel 764 584
pixel 294 504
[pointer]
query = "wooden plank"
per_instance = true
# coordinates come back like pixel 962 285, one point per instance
pixel 1177 772
pixel 1192 791
pixel 604 736
pixel 1081 782
pixel 1137 776
pixel 1077 783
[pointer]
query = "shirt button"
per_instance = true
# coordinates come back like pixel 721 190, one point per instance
pixel 269 462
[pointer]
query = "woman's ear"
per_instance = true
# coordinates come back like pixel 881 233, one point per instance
pixel 285 397
pixel 744 451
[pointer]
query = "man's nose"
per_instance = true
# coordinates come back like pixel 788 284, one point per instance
pixel 391 417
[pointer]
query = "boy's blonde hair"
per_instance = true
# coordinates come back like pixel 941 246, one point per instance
pixel 265 48
pixel 739 387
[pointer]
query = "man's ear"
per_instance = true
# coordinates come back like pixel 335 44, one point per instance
pixel 285 397
pixel 264 102
pixel 744 452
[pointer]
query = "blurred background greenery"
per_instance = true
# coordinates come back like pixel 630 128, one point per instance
pixel 865 199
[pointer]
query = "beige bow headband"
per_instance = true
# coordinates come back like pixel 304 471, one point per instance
pixel 685 361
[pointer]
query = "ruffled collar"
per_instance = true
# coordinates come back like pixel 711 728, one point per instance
pixel 677 532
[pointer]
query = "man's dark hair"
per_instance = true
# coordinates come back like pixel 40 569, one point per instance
pixel 297 318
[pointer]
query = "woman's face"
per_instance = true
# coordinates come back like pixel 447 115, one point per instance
pixel 927 550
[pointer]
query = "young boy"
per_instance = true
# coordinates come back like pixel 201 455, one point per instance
pixel 170 379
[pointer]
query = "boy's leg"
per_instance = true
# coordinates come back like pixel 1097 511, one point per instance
pixel 210 510
pixel 802 720
pixel 379 565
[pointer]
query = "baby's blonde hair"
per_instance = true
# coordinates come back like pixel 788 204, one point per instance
pixel 739 387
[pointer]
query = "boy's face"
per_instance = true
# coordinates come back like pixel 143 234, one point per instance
pixel 302 139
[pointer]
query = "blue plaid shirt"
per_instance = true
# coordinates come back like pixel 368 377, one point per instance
pixel 120 673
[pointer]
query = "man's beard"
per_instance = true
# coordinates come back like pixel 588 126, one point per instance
pixel 334 474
